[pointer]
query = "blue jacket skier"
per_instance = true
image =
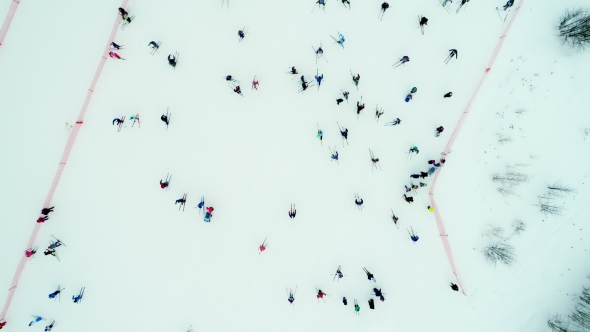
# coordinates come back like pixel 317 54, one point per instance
pixel 35 320
pixel 54 294
pixel 342 40
pixel 77 298
pixel 319 79
pixel 508 4
pixel 335 155
pixel 241 34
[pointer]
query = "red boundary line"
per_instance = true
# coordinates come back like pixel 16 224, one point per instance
pixel 439 221
pixel 8 20
pixel 62 162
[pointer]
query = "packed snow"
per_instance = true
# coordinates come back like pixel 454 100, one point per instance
pixel 147 266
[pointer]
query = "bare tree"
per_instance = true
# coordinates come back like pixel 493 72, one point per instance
pixel 493 231
pixel 518 226
pixel 578 320
pixel 559 189
pixel 520 111
pixel 500 252
pixel 504 139
pixel 549 208
pixel 512 178
pixel 574 28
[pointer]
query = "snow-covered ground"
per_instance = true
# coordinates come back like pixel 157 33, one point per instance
pixel 148 267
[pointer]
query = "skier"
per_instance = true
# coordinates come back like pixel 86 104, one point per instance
pixel 36 319
pixel 359 107
pixel 430 208
pixel 422 175
pixel 319 51
pixel 358 203
pixel 262 247
pixel 448 95
pixel 508 4
pixel 445 2
pixel 165 119
pixel 50 326
pixel 375 160
pixel 30 252
pixel 409 199
pixel 77 298
pixel 50 252
pixel 370 276
pixel 46 211
pixel 344 133
pixel 54 294
pixel 115 55
pixel 238 90
pixel 320 134
pixel 172 60
pixel 453 53
pixel 454 287
pixel 339 100
pixel 241 34
pixel 356 307
pixel 321 3
pixel 228 78
pixel 117 121
pixel 320 294
pixel 413 236
pixel 180 200
pixel 319 79
pixel 42 219
pixel 291 298
pixel 378 114
pixel 294 71
pixel 163 184
pixel 304 86
pixel 335 155
pixel 401 61
pixel 371 304
pixel 423 21
pixel 115 46
pixel 209 209
pixel 2 324
pixel 395 219
pixel 124 15
pixel 384 7
pixel 345 94
pixel 342 40
pixel 439 130
pixel 431 170
pixel 414 150
pixel 55 244
pixel 255 84
pixel 344 301
pixel 356 79
pixel 415 176
pixel 394 122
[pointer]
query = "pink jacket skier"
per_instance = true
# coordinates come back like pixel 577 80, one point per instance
pixel 115 55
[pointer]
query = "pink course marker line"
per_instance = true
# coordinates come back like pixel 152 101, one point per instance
pixel 62 163
pixel 439 221
pixel 8 20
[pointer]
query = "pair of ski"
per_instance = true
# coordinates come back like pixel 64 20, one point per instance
pixel 224 2
pixel 126 23
pixel 317 55
pixel 445 6
pixel 375 161
pixel 342 130
pixel 421 25
pixel 183 204
pixel 505 17
pixel 121 123
pixel 378 112
pixel 156 49
pixel 381 14
pixel 393 217
pixel 167 181
pixel 369 275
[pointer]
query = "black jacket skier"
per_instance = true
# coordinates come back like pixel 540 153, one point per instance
pixel 344 133
pixel 454 287
pixel 508 4
pixel 124 15
pixel 171 60
pixel 448 95
pixel 423 21
pixel 46 211
pixel 164 118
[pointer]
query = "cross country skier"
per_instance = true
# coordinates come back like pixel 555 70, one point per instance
pixel 508 4
pixel 115 46
pixel 50 326
pixel 172 60
pixel 42 219
pixel 445 2
pixel 359 107
pixel 356 307
pixel 370 276
pixel 454 287
pixel 36 319
pixel 294 71
pixel 242 34
pixel 46 211
pixel 163 184
pixel 401 61
pixel 77 298
pixel 335 155
pixel 384 7
pixel 54 294
pixel 320 294
pixel 358 202
pixel 339 100
pixel 153 45
pixel 453 53
pixel 115 55
pixel 448 95
pixel 344 133
pixel 320 134
pixel 319 79
pixel 124 15
pixel 414 150
pixel 30 252
pixel 292 212
pixel 238 90
pixel 423 21
pixel 165 119
pixel 180 200
pixel 291 297
pixel 304 86
pixel 345 94
pixel 50 252
pixel 2 324
pixel 439 130
pixel 321 3
pixel 342 40
pixel 394 122
pixel 55 244
pixel 117 121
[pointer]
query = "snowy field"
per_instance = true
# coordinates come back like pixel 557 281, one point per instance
pixel 147 266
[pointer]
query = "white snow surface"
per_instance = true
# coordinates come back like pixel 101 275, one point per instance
pixel 148 267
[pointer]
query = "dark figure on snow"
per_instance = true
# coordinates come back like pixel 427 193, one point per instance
pixel 320 294
pixel 359 107
pixel 409 199
pixel 163 184
pixel 241 34
pixel 321 3
pixel 46 211
pixel 371 304
pixel 448 95
pixel 153 45
pixel 228 78
pixel 291 298
pixel 423 175
pixel 54 294
pixel 115 46
pixel 384 6
pixel 171 60
pixel 49 327
pixel 238 90
pixel 302 78
pixel 344 301
pixel 431 162
pixel 164 118
pixel 117 121
pixel 508 4
pixel 464 2
pixel 357 202
pixel 415 149
pixel 356 79
pixel 423 21
pixel 339 100
pixel 42 219
pixel 415 176
pixel 2 324
pixel 439 130
pixel 293 71
pixel 181 201
pixel 454 53
pixel 454 287
pixel 76 298
pixel 292 214
pixel 49 252
pixel 304 86
pixel 124 15
pixel 346 1
pixel 344 133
